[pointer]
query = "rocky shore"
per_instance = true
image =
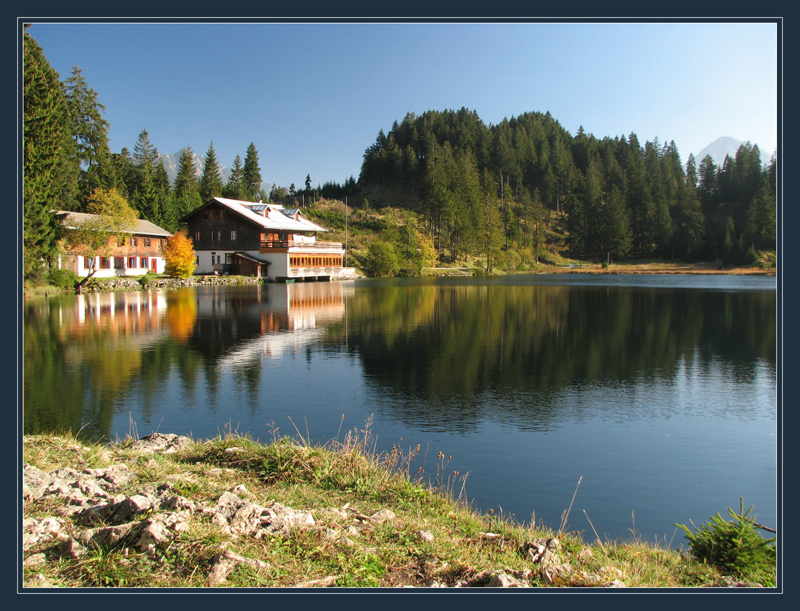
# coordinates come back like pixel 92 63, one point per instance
pixel 192 514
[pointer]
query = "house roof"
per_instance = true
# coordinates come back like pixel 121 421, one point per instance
pixel 72 220
pixel 272 216
pixel 249 257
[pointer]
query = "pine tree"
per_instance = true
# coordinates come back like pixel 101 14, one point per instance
pixel 689 233
pixel 234 188
pixel 89 136
pixel 46 166
pixel 761 221
pixel 211 180
pixel 89 128
pixel 150 186
pixel 638 193
pixel 252 174
pixel 185 191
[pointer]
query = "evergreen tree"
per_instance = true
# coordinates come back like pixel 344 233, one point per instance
pixel 638 194
pixel 145 154
pixel 46 165
pixel 185 191
pixel 234 188
pixel 761 220
pixel 689 226
pixel 89 128
pixel 491 229
pixel 252 175
pixel 659 222
pixel 150 181
pixel 466 213
pixel 89 137
pixel 691 171
pixel 211 181
pixel 728 249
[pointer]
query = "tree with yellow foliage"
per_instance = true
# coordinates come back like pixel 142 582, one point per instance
pixel 97 234
pixel 180 256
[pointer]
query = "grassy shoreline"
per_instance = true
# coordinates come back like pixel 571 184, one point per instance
pixel 650 267
pixel 338 515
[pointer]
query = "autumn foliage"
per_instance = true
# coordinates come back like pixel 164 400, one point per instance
pixel 180 256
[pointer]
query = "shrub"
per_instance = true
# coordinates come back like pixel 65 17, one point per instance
pixel 382 259
pixel 733 546
pixel 63 278
pixel 513 260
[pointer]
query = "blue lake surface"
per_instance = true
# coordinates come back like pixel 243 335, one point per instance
pixel 658 393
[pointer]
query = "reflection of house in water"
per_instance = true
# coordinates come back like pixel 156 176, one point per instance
pixel 125 314
pixel 278 318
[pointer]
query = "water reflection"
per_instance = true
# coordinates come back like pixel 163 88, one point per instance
pixel 451 357
pixel 432 355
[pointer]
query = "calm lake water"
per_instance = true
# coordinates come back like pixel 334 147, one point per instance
pixel 657 393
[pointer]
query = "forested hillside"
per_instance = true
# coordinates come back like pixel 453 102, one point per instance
pixel 486 188
pixel 523 188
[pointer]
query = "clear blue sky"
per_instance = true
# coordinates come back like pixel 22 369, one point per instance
pixel 312 97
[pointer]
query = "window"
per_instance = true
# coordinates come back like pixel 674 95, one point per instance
pixel 133 243
pixel 119 262
pixel 196 236
pixel 147 241
pixel 105 263
pixel 233 235
pixel 144 262
pixel 88 263
pixel 131 262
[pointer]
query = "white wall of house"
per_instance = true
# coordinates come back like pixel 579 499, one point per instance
pixel 209 261
pixel 129 266
pixel 278 264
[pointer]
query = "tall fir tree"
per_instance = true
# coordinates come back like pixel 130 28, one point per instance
pixel 47 167
pixel 185 190
pixel 151 183
pixel 89 128
pixel 761 220
pixel 638 194
pixel 90 137
pixel 234 188
pixel 252 174
pixel 211 180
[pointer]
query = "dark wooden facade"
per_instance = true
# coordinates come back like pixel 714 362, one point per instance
pixel 217 228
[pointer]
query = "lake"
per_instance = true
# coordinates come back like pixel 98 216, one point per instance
pixel 658 393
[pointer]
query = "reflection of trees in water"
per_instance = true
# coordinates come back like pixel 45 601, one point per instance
pixel 448 354
pixel 437 355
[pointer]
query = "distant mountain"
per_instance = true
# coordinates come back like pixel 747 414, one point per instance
pixel 171 162
pixel 726 146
